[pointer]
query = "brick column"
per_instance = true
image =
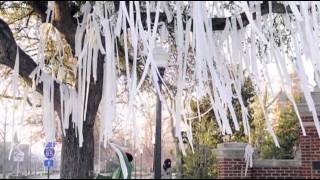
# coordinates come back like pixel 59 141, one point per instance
pixel 230 159
pixel 231 163
pixel 310 144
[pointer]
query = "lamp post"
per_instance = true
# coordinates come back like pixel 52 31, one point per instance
pixel 140 164
pixel 135 165
pixel 4 168
pixel 161 58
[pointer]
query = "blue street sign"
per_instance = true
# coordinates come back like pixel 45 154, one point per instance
pixel 51 145
pixel 48 163
pixel 49 153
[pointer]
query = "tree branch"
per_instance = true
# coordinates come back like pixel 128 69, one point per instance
pixel 8 50
pixel 63 17
pixel 218 24
pixel 274 99
pixel 10 97
pixel 40 8
pixel 18 98
pixel 66 24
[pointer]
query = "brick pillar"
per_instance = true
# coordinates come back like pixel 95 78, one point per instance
pixel 231 163
pixel 310 144
pixel 230 159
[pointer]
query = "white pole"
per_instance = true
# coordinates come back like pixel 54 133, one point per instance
pixel 18 168
pixel 99 163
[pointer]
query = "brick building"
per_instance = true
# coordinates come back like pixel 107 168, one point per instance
pixel 231 163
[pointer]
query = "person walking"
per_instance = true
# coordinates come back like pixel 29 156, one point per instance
pixel 166 169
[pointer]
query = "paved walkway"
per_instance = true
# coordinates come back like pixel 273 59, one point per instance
pixel 52 176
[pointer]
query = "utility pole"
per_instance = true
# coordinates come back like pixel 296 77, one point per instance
pixel 35 167
pixel 157 148
pixel 30 143
pixel 135 166
pixel 161 58
pixel 4 169
pixel 135 157
pixel 140 165
pixel 30 158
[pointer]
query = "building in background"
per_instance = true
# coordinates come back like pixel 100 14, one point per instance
pixel 282 101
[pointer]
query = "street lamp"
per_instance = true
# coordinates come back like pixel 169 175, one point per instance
pixel 161 59
pixel 140 164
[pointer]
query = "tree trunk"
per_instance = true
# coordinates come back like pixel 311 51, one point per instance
pixel 77 162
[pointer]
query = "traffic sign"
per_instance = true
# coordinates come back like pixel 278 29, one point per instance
pixel 48 163
pixel 49 152
pixel 18 156
pixel 50 145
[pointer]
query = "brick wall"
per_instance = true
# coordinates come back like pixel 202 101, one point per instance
pixel 231 164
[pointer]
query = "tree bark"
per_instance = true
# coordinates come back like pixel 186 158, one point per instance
pixel 77 162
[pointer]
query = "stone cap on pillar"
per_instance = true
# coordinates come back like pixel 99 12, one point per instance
pixel 230 150
pixel 304 109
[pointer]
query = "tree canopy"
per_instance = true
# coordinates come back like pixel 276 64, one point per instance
pixel 84 50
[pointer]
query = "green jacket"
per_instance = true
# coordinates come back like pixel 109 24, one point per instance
pixel 100 176
pixel 117 174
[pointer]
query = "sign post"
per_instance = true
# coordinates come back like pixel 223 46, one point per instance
pixel 18 157
pixel 49 153
pixel 48 163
